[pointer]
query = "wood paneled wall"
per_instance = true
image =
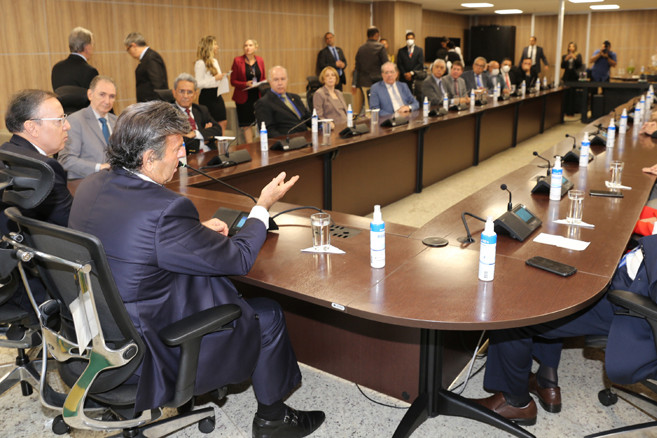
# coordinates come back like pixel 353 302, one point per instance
pixel 350 21
pixel 628 31
pixel 437 24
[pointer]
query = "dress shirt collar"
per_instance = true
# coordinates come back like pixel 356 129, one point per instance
pixel 183 109
pixel 141 176
pixel 143 53
pixel 39 150
pixel 80 55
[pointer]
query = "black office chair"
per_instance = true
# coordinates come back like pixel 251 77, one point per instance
pixel 86 300
pixel 641 307
pixel 165 95
pixel 311 87
pixel 72 98
pixel 25 182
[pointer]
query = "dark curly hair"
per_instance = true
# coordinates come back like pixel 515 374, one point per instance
pixel 144 126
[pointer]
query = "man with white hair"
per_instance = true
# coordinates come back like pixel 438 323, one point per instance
pixel 391 96
pixel 75 70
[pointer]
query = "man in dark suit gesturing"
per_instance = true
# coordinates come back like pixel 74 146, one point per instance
pixel 535 53
pixel 203 127
pixel 75 70
pixel 281 111
pixel 151 73
pixel 169 265
pixel 332 56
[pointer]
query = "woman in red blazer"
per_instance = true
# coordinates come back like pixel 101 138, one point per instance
pixel 248 70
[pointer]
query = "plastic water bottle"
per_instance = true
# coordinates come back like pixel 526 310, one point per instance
pixel 496 94
pixel 314 122
pixel 555 180
pixel 264 141
pixel 487 251
pixel 446 102
pixel 472 99
pixel 611 133
pixel 538 85
pixel 425 107
pixel 642 102
pixel 523 89
pixel 350 117
pixel 377 239
pixel 623 122
pixel 545 83
pixel 584 151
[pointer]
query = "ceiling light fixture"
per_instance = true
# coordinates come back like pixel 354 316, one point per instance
pixel 508 11
pixel 479 5
pixel 604 7
pixel 585 1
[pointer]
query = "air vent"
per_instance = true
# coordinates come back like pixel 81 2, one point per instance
pixel 343 232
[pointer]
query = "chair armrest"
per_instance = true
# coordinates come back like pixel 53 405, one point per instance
pixel 638 305
pixel 199 324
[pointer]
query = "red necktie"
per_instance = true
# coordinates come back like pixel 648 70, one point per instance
pixel 191 119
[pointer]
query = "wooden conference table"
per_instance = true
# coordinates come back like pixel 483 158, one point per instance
pixel 329 299
pixel 387 164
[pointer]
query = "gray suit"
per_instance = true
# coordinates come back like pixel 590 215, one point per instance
pixel 448 82
pixel 431 90
pixel 471 81
pixel 86 144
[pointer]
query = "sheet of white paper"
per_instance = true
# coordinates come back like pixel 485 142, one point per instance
pixel 561 242
pixel 619 187
pixel 576 224
pixel 331 250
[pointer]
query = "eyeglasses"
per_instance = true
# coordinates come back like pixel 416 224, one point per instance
pixel 62 119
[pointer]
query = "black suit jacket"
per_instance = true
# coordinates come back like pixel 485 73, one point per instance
pixel 202 117
pixel 150 75
pixel 278 118
pixel 326 59
pixel 73 70
pixel 406 64
pixel 517 76
pixel 540 56
pixel 56 207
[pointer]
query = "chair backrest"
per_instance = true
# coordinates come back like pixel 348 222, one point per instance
pixel 72 98
pixel 165 94
pixel 63 285
pixel 25 181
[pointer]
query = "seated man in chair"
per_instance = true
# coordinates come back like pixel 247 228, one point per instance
pixel 169 265
pixel 391 96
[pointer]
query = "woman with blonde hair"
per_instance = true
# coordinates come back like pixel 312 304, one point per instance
pixel 248 69
pixel 328 101
pixel 571 63
pixel 211 81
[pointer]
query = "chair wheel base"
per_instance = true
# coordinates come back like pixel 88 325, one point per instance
pixel 607 397
pixel 206 425
pixel 59 426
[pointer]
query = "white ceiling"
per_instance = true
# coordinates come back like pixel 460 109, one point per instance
pixel 530 6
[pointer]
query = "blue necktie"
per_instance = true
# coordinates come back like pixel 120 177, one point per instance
pixel 337 58
pixel 478 81
pixel 105 129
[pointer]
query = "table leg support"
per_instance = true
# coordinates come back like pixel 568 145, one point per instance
pixel 434 400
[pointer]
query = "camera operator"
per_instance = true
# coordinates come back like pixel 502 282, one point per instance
pixel 602 60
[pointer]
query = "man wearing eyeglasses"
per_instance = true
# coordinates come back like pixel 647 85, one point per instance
pixel 37 120
pixel 477 78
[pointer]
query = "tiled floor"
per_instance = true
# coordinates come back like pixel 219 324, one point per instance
pixel 349 413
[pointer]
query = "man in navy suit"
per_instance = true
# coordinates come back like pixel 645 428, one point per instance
pixel 410 62
pixel 37 120
pixel 332 56
pixel 391 96
pixel 281 111
pixel 535 53
pixel 630 354
pixel 204 127
pixel 151 73
pixel 75 70
pixel 169 265
pixel 91 127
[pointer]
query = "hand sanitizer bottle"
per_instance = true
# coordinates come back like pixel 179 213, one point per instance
pixel 472 99
pixel 446 102
pixel 425 107
pixel 523 89
pixel 623 122
pixel 377 239
pixel 314 122
pixel 487 251
pixel 555 180
pixel 350 117
pixel 264 141
pixel 611 133
pixel 584 151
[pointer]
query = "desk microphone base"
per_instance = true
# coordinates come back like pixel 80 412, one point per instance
pixel 434 400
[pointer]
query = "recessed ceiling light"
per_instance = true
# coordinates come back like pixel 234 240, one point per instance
pixel 585 1
pixel 603 7
pixel 508 11
pixel 479 5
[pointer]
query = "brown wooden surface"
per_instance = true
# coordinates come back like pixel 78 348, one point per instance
pixel 447 149
pixel 498 131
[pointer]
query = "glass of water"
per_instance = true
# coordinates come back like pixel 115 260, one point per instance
pixel 321 225
pixel 616 173
pixel 575 211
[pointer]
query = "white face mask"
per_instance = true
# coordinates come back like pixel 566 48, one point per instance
pixel 496 71
pixel 410 43
pixel 506 68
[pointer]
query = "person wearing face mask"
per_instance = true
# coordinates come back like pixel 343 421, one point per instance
pixel 410 62
pixel 509 75
pixel 494 73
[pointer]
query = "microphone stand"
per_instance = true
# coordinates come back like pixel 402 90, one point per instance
pixel 468 238
pixel 289 144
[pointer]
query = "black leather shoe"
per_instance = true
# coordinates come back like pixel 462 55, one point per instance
pixel 295 424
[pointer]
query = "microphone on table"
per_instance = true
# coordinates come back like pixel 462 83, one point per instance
pixel 573 155
pixel 549 164
pixel 294 143
pixel 272 224
pixel 509 206
pixel 468 238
